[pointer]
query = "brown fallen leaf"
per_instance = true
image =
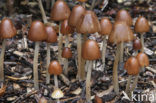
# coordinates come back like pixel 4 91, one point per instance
pixel 97 99
pixel 2 90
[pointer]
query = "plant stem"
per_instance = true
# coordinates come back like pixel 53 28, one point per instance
pixel 93 4
pixel 79 55
pixel 121 51
pixel 48 62
pixel 67 41
pixel 128 84
pixel 142 42
pixel 115 70
pixel 60 44
pixel 2 61
pixel 56 81
pixel 52 3
pixel 66 67
pixel 88 81
pixel 104 51
pixel 35 66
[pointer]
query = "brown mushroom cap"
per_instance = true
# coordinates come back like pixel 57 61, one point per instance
pixel 143 59
pixel 7 29
pixel 88 23
pixel 121 32
pixel 75 15
pixel 141 25
pixel 37 31
pixel 106 26
pixel 66 53
pixel 91 50
pixel 51 34
pixel 55 68
pixel 65 28
pixel 132 66
pixel 137 44
pixel 123 15
pixel 60 11
pixel 82 0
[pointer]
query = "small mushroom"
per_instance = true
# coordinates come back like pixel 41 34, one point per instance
pixel 57 94
pixel 137 45
pixel 7 30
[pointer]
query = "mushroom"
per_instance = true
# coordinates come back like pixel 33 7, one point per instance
pixel 106 28
pixel 76 14
pixel 121 32
pixel 55 69
pixel 51 38
pixel 132 66
pixel 7 30
pixel 57 94
pixel 142 26
pixel 90 52
pixel 136 45
pixel 59 12
pixel 123 16
pixel 66 53
pixel 143 61
pixel 36 33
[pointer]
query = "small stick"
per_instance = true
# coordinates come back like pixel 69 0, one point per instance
pixel 93 4
pixel 128 84
pixel 104 51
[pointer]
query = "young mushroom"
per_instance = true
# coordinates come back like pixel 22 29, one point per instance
pixel 36 33
pixel 66 53
pixel 132 67
pixel 7 30
pixel 121 32
pixel 142 26
pixel 57 94
pixel 59 12
pixel 51 38
pixel 106 28
pixel 136 45
pixel 90 52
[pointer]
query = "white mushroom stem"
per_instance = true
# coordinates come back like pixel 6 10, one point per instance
pixel 35 65
pixel 121 51
pixel 58 101
pixel 2 61
pixel 128 84
pixel 142 42
pixel 48 62
pixel 67 41
pixel 88 81
pixel 60 44
pixel 52 3
pixel 56 81
pixel 115 70
pixel 66 60
pixel 104 45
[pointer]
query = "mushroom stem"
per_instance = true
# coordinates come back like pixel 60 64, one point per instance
pixel 104 50
pixel 66 67
pixel 56 81
pixel 35 65
pixel 58 101
pixel 48 62
pixel 2 61
pixel 128 84
pixel 121 51
pixel 60 44
pixel 115 69
pixel 142 42
pixel 52 3
pixel 88 83
pixel 47 4
pixel 67 41
pixel 93 4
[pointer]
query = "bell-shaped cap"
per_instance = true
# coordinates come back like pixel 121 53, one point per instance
pixel 7 29
pixel 75 15
pixel 143 59
pixel 57 94
pixel 60 11
pixel 121 32
pixel 137 44
pixel 51 34
pixel 91 50
pixel 88 23
pixel 141 25
pixel 37 31
pixel 132 66
pixel 106 26
pixel 55 68
pixel 65 28
pixel 123 15
pixel 66 53
pixel 82 0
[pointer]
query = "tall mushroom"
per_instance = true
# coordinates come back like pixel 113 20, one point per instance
pixel 51 38
pixel 36 33
pixel 76 14
pixel 121 32
pixel 90 52
pixel 106 28
pixel 142 26
pixel 7 30
pixel 59 12
pixel 123 16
